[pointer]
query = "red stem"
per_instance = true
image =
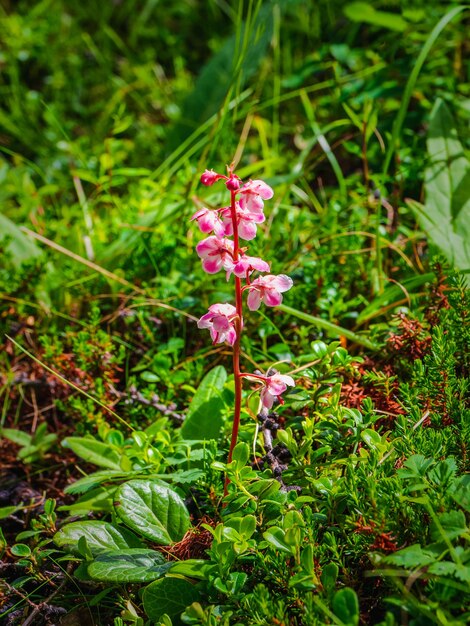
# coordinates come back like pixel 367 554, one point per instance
pixel 236 345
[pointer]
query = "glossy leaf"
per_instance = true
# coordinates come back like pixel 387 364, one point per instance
pixel 132 565
pixel 100 536
pixel 153 510
pixel 168 596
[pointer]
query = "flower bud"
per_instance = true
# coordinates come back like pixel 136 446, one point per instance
pixel 210 177
pixel 233 183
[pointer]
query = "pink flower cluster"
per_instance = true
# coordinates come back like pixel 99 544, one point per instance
pixel 219 252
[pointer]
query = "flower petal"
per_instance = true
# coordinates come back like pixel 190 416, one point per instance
pixel 281 282
pixel 212 265
pixel 247 230
pixel 271 297
pixel 254 299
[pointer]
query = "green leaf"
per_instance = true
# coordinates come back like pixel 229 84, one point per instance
pixel 6 511
pixel 101 537
pixel 240 455
pixel 17 436
pixel 346 606
pixel 447 185
pixel 371 438
pixel 364 12
pixel 416 466
pixel 204 418
pixel 20 549
pixel 93 451
pixel 133 565
pixel 328 576
pixel 153 510
pixel 276 537
pixel 168 596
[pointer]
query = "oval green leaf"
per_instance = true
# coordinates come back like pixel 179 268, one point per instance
pixel 168 595
pixel 133 565
pixel 153 510
pixel 100 536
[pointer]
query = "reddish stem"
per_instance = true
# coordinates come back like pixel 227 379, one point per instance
pixel 236 345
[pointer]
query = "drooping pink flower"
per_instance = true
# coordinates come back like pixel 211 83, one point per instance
pixel 216 254
pixel 253 193
pixel 248 264
pixel 209 221
pixel 220 322
pixel 210 177
pixel 268 289
pixel 246 220
pixel 274 387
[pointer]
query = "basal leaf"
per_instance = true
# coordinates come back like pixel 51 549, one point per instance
pixel 131 565
pixel 153 510
pixel 168 596
pixel 101 537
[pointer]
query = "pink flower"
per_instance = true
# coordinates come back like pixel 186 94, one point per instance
pixel 268 289
pixel 253 193
pixel 248 264
pixel 274 386
pixel 210 177
pixel 215 254
pixel 246 220
pixel 209 221
pixel 220 322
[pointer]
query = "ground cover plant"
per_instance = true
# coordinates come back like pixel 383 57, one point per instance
pixel 305 462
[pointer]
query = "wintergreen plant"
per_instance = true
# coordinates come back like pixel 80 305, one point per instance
pixel 222 250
